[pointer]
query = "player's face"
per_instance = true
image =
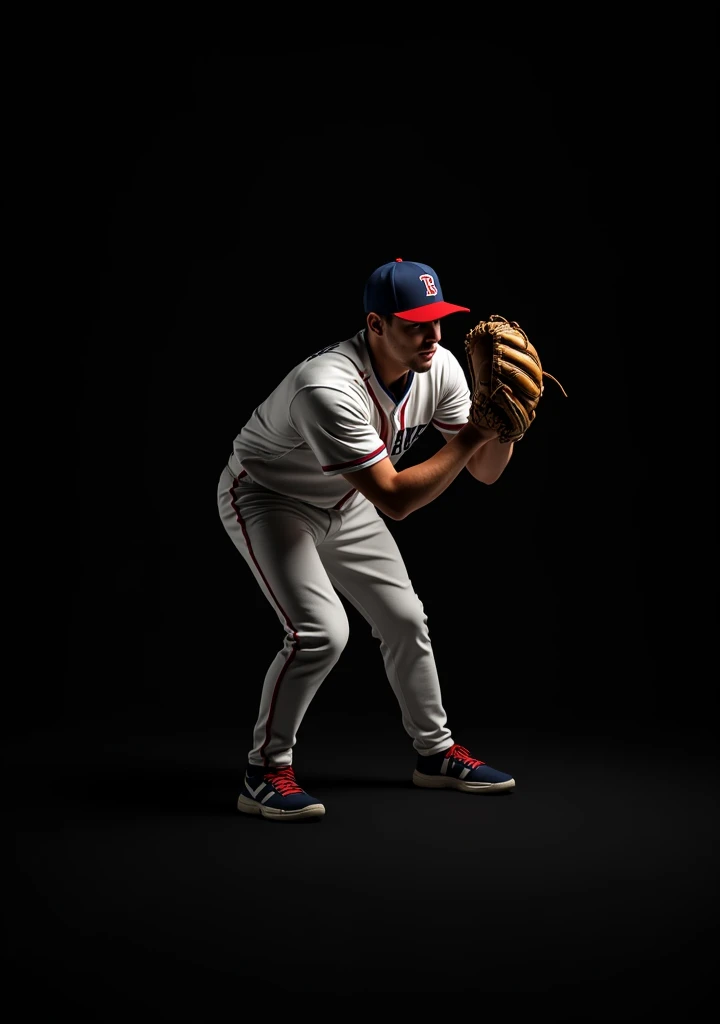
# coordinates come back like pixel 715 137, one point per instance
pixel 412 345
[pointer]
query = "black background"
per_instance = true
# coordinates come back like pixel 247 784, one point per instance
pixel 229 209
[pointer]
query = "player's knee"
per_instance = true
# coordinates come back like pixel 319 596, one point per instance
pixel 410 617
pixel 338 636
pixel 409 627
pixel 328 639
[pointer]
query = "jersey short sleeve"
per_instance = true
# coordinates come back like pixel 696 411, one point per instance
pixel 335 424
pixel 454 400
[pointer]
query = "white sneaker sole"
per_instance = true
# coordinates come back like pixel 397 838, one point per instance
pixel 248 806
pixel 444 782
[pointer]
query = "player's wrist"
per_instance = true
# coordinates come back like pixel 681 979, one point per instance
pixel 478 435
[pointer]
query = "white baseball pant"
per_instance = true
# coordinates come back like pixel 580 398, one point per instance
pixel 301 557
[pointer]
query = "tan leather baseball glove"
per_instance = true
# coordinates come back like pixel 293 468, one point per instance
pixel 506 377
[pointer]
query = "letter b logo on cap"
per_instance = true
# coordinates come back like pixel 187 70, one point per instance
pixel 429 282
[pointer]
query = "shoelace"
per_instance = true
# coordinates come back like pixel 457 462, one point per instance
pixel 464 755
pixel 283 779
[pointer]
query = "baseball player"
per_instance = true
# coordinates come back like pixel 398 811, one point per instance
pixel 301 496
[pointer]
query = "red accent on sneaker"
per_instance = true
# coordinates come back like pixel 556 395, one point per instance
pixel 283 779
pixel 464 755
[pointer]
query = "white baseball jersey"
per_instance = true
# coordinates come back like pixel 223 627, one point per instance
pixel 332 414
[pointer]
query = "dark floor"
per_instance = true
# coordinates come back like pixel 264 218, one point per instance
pixel 588 893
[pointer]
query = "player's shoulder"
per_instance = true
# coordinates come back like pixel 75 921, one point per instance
pixel 445 360
pixel 336 364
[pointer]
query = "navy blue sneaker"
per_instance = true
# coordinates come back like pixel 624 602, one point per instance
pixel 456 768
pixel 274 793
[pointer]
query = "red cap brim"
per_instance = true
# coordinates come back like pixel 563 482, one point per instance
pixel 436 310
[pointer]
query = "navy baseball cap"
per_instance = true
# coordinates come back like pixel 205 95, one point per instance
pixel 409 290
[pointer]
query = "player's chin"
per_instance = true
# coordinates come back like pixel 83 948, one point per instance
pixel 424 361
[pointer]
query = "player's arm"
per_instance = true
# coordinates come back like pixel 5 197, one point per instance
pixel 488 462
pixel 397 494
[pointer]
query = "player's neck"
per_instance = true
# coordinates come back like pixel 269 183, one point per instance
pixel 398 386
pixel 392 374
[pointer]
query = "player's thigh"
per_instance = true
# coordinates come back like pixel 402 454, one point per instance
pixel 278 543
pixel 367 566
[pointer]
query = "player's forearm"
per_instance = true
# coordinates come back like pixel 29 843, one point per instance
pixel 418 485
pixel 487 463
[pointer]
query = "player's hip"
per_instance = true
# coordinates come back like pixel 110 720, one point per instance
pixel 243 503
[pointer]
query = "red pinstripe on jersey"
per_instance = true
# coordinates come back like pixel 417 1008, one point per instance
pixel 356 462
pixel 451 428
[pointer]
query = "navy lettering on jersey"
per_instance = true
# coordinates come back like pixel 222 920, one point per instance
pixel 407 437
pixel 328 348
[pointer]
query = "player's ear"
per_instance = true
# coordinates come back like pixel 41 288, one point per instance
pixel 375 324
